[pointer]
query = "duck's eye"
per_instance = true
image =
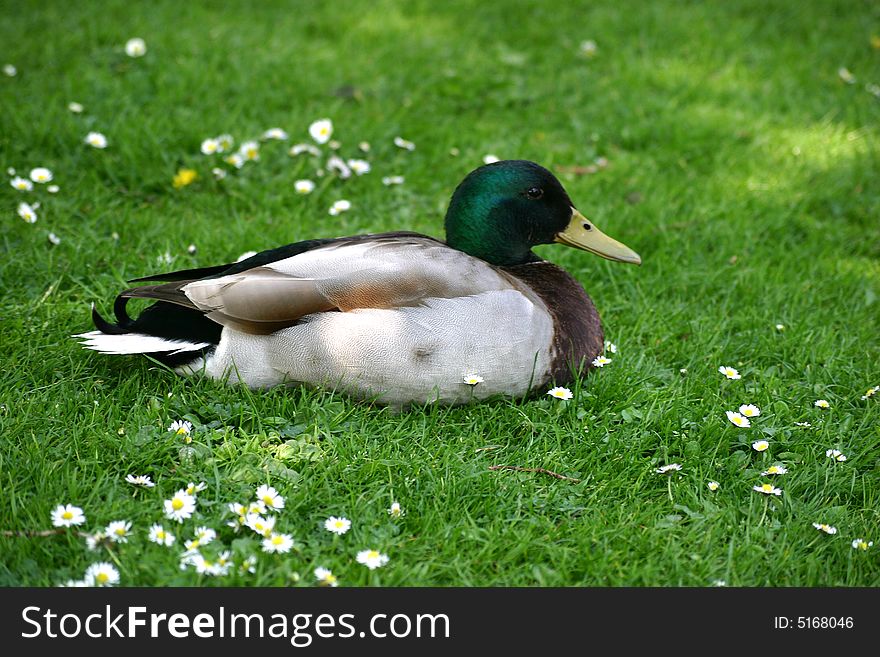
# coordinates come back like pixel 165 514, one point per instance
pixel 535 193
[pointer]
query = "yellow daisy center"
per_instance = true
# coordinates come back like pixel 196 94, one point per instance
pixel 177 504
pixel 67 515
pixel 268 499
pixel 102 577
pixel 372 554
pixel 120 531
pixel 277 540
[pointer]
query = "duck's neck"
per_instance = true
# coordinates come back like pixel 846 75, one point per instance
pixel 483 227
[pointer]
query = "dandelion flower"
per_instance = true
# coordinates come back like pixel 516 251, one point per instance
pixel 862 544
pixel 278 543
pixel 101 574
pixel 560 393
pixel 713 486
pixel 774 470
pixel 118 531
pixel 21 184
pixel 835 454
pixel 140 480
pixel 181 427
pixel 393 180
pixel 372 559
pixel 75 107
pixel 400 142
pixel 844 74
pixel 96 140
pixel 749 410
pixel 67 515
pixel 325 577
pixel 729 372
pixel 394 510
pixel 472 379
pixel 275 133
pixel 589 48
pixel 304 186
pixel 337 525
pixel 738 420
pixel 135 47
pixel 821 403
pixel 10 70
pixel 359 167
pixel 159 536
pixel 184 177
pixel 601 361
pixel 339 207
pixel 210 146
pixel 768 489
pixel 321 130
pixel 760 445
pixel 270 497
pixel 250 150
pixel 828 529
pixel 259 524
pixel 490 159
pixel 41 175
pixel 672 467
pixel 180 507
pixel 27 212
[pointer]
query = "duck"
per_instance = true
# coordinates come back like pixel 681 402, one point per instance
pixel 397 318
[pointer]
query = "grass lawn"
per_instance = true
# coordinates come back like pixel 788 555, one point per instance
pixel 741 165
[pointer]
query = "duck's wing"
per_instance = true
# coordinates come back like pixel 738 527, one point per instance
pixel 377 271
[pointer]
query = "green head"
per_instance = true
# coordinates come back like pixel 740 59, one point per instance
pixel 501 211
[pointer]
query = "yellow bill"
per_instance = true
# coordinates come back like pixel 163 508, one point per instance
pixel 581 233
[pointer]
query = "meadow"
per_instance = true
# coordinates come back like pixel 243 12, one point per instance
pixel 733 145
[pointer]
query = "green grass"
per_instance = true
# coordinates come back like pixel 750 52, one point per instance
pixel 742 169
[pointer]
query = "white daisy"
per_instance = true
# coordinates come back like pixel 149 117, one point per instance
pixel 729 372
pixel 821 403
pixel 393 180
pixel 275 133
pixel 560 393
pixel 250 150
pixel 359 167
pixel 672 467
pixel 304 186
pixel 760 445
pixel 135 47
pixel 601 361
pixel 861 544
pixel 75 107
pixel 101 574
pixel 400 142
pixel 870 392
pixel 224 143
pixel 10 70
pixel 780 327
pixel 27 212
pixel 96 140
pixel 610 347
pixel 210 146
pixel 234 159
pixel 193 488
pixel 325 577
pixel 749 410
pixel 321 130
pixel 159 536
pixel 96 540
pixel 337 525
pixel 53 189
pixel 270 497
pixel 738 420
pixel 259 524
pixel 835 454
pixel 205 535
pixel 372 559
pixel 53 239
pixel 775 470
pixel 278 543
pixel 364 146
pixel 337 164
pixel 41 175
pixel 844 74
pixel 248 565
pixel 219 174
pixel 805 425
pixel 181 427
pixel 118 531
pixel 299 149
pixel 589 48
pixel 339 207
pixel 828 529
pixel 489 158
pixel 768 489
pixel 67 515
pixel 713 485
pixel 21 184
pixel 140 480
pixel 472 379
pixel 180 507
pixel 394 510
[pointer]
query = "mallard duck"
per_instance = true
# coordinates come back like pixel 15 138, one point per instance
pixel 397 318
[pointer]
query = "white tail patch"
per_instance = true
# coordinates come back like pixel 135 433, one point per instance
pixel 135 343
